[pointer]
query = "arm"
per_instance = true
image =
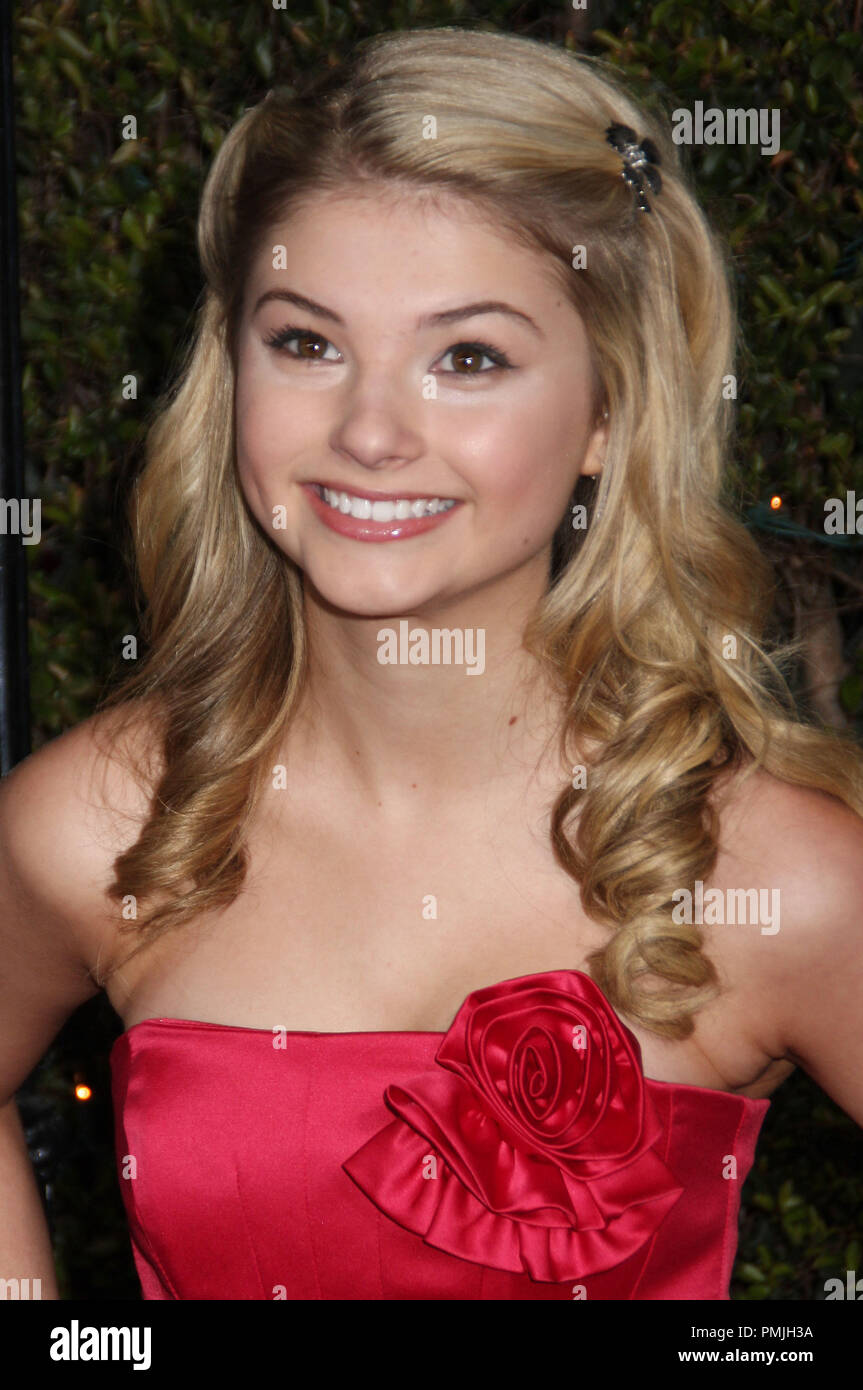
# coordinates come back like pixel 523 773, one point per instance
pixel 817 971
pixel 46 862
pixel 25 1249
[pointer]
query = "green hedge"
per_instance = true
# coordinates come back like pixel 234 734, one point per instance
pixel 109 280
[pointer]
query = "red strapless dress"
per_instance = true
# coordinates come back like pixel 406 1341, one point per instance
pixel 521 1155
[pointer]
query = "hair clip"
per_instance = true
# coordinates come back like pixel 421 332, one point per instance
pixel 639 160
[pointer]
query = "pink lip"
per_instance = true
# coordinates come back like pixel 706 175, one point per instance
pixel 395 530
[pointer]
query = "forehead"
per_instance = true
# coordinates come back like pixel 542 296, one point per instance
pixel 354 242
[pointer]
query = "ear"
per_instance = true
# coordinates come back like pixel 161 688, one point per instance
pixel 594 455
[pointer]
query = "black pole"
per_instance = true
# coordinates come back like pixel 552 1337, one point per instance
pixel 14 681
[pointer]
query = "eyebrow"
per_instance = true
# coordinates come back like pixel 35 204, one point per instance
pixel 464 311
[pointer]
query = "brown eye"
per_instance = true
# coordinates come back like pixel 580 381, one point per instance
pixel 313 341
pixel 311 347
pixel 308 340
pixel 468 356
pixel 472 353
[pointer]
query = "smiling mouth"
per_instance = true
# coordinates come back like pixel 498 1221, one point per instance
pixel 392 509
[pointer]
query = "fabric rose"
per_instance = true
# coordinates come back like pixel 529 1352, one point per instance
pixel 532 1144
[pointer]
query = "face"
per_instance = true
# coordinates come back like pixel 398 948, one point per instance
pixel 373 374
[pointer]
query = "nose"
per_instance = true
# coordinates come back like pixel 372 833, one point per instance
pixel 380 422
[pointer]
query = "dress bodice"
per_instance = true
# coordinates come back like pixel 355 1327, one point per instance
pixel 521 1155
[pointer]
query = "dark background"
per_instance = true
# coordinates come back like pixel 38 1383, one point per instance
pixel 109 278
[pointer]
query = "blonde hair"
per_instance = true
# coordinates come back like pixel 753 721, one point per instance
pixel 639 604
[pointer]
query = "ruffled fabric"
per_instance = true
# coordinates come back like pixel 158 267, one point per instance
pixel 532 1145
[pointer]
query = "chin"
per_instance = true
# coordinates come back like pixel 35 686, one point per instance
pixel 371 600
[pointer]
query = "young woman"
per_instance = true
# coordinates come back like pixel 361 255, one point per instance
pixel 463 878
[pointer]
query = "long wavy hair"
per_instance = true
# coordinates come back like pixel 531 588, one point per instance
pixel 644 606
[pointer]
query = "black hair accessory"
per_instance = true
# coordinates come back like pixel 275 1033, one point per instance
pixel 640 158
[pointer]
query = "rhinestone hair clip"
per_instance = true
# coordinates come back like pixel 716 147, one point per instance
pixel 640 159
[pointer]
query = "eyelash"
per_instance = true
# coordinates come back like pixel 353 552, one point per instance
pixel 282 336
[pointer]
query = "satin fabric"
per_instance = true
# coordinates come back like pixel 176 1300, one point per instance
pixel 521 1155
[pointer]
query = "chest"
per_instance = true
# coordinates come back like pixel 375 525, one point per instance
pixel 372 928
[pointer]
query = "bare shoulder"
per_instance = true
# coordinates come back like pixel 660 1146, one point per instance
pixel 803 850
pixel 69 808
pixel 65 812
pixel 808 843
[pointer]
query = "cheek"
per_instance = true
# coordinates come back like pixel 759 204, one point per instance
pixel 250 451
pixel 258 452
pixel 523 454
pixel 256 416
pixel 271 431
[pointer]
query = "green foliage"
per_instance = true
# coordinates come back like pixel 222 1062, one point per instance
pixel 851 689
pixel 109 281
pixel 792 220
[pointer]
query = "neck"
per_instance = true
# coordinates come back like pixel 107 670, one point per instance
pixel 412 736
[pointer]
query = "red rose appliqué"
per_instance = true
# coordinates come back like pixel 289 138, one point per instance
pixel 545 1134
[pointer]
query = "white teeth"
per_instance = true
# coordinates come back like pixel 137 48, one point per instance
pixel 364 509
